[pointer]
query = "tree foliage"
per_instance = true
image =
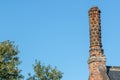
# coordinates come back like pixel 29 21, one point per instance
pixel 9 61
pixel 44 72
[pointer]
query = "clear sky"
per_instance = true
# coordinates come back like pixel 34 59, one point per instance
pixel 56 32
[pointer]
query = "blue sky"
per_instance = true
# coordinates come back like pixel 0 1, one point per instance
pixel 56 32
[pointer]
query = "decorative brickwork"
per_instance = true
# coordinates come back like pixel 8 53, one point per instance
pixel 95 34
pixel 97 60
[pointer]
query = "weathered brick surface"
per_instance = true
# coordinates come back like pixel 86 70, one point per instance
pixel 97 60
pixel 95 28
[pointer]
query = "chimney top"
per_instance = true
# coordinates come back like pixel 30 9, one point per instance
pixel 95 8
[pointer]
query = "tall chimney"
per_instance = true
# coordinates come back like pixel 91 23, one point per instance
pixel 97 60
pixel 95 28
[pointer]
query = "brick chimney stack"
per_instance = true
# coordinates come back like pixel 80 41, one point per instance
pixel 97 60
pixel 95 28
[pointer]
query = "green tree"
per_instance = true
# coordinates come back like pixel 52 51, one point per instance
pixel 45 72
pixel 9 61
